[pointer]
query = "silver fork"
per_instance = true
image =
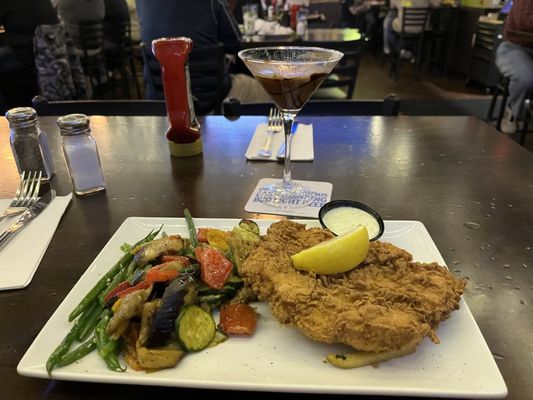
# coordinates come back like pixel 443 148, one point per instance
pixel 274 126
pixel 26 194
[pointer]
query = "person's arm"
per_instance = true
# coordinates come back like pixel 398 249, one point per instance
pixel 228 30
pixel 358 7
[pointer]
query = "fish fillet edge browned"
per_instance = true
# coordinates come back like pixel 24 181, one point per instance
pixel 386 303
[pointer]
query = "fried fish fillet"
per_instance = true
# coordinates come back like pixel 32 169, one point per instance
pixel 387 303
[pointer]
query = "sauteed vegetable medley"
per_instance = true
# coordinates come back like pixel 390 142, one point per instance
pixel 155 304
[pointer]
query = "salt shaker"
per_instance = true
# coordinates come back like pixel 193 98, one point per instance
pixel 28 143
pixel 81 154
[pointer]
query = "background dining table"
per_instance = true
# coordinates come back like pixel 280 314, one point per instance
pixel 471 186
pixel 313 35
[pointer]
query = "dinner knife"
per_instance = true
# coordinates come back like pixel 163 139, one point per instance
pixel 280 155
pixel 27 216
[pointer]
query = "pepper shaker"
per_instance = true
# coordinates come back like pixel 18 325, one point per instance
pixel 28 143
pixel 81 154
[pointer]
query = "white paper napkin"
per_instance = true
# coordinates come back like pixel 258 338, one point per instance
pixel 302 143
pixel 20 258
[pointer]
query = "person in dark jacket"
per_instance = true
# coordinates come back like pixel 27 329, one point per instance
pixel 207 23
pixel 514 59
pixel 72 12
pixel 18 79
pixel 116 13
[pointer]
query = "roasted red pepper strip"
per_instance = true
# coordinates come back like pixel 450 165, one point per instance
pixel 140 286
pixel 160 274
pixel 215 269
pixel 171 257
pixel 119 288
pixel 202 235
pixel 238 319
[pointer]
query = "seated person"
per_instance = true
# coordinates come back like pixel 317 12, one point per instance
pixel 514 59
pixel 18 75
pixel 392 24
pixel 207 23
pixel 358 14
pixel 72 12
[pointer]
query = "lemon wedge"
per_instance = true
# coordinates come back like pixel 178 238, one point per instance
pixel 339 254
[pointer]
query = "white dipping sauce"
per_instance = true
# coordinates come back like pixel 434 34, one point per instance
pixel 342 220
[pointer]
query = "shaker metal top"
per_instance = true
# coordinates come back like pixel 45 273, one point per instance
pixel 73 124
pixel 21 117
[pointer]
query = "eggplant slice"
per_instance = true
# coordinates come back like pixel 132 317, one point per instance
pixel 162 329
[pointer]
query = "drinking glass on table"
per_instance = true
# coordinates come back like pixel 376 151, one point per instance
pixel 290 75
pixel 249 15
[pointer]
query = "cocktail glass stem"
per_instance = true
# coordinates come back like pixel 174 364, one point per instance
pixel 288 120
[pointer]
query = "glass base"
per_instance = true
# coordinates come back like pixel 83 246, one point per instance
pixel 286 196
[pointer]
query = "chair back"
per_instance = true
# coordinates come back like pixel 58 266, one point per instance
pixel 344 75
pixel 118 43
pixel 389 106
pixel 487 38
pixel 414 20
pixel 99 107
pixel 206 72
pixel 444 20
pixel 91 36
pixel 91 40
pixel 118 32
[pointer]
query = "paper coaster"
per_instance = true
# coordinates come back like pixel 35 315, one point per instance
pixel 255 204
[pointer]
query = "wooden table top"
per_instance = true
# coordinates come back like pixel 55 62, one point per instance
pixel 443 171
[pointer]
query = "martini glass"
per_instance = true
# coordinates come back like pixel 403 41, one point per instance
pixel 290 75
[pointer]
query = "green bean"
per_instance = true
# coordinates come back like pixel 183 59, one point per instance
pixel 111 357
pixel 63 347
pixel 103 283
pixel 104 342
pixel 126 247
pixel 100 332
pixel 108 348
pixel 88 320
pixel 118 278
pixel 79 352
pixel 192 229
pixel 100 286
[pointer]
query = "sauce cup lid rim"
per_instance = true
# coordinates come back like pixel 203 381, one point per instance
pixel 354 204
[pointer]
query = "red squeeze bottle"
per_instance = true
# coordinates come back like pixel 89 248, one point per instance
pixel 294 13
pixel 184 132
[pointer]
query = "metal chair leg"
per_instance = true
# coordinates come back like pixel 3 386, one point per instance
pixel 503 105
pixel 527 116
pixel 134 76
pixel 495 93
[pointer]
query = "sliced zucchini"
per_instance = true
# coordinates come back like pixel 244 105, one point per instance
pixel 211 299
pixel 195 328
pixel 249 225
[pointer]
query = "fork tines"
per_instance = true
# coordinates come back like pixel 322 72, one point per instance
pixel 28 190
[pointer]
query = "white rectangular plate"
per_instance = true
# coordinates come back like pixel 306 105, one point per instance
pixel 280 359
